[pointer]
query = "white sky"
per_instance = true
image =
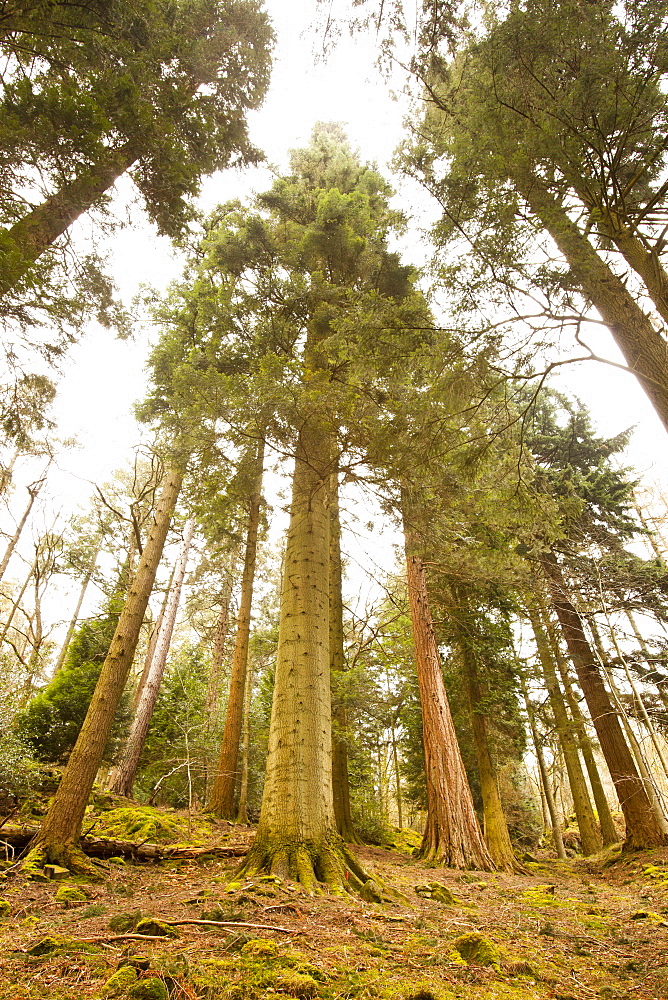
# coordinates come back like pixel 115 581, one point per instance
pixel 103 377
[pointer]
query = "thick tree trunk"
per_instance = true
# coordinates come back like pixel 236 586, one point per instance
pixel 607 823
pixel 75 617
pixel 297 836
pixel 645 350
pixel 494 820
pixel 221 801
pixel 25 241
pixel 340 777
pixel 547 795
pixel 59 834
pixel 452 835
pixel 123 774
pixel 642 828
pixel 589 833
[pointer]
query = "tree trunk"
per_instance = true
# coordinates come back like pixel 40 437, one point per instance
pixel 123 774
pixel 642 828
pixel 9 551
pixel 16 602
pixel 25 241
pixel 452 835
pixel 152 644
pixel 340 777
pixel 589 834
pixel 242 811
pixel 645 350
pixel 221 801
pixel 544 777
pixel 75 617
pixel 220 638
pixel 59 834
pixel 607 823
pixel 659 681
pixel 494 820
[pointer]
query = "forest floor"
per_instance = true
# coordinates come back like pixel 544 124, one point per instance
pixel 565 930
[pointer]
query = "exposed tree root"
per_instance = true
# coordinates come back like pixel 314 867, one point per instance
pixel 327 866
pixel 67 856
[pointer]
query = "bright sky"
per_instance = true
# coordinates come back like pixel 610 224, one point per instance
pixel 103 377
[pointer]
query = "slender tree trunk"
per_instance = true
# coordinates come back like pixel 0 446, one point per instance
pixel 39 229
pixel 221 801
pixel 242 811
pixel 397 777
pixel 75 617
pixel 589 833
pixel 337 660
pixel 58 837
pixel 152 644
pixel 642 828
pixel 607 823
pixel 6 472
pixel 218 652
pixel 452 834
pixel 660 684
pixel 544 777
pixel 123 774
pixel 9 551
pixel 17 601
pixel 494 820
pixel 645 350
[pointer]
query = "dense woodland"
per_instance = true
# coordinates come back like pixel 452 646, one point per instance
pixel 499 693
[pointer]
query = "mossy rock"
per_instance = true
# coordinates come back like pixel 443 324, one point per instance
pixel 296 984
pixel 120 981
pixel 141 823
pixel 70 894
pixel 475 947
pixel 139 962
pixel 155 928
pixel 259 948
pixel 52 945
pixel 405 841
pixel 152 988
pixel 122 922
pixel 5 908
pixel 439 892
pixel 370 891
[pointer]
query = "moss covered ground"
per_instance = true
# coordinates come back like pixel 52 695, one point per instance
pixel 564 931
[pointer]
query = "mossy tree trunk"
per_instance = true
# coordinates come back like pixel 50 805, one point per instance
pixel 494 820
pixel 546 787
pixel 123 774
pixel 607 823
pixel 642 827
pixel 221 801
pixel 340 776
pixel 59 833
pixel 452 835
pixel 297 836
pixel 590 836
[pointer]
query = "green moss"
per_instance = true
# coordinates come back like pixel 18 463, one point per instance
pixel 70 894
pixel 141 823
pixel 5 908
pixel 439 892
pixel 120 981
pixel 405 841
pixel 155 928
pixel 258 948
pixel 121 922
pixel 296 984
pixel 148 989
pixel 475 947
pixel 53 945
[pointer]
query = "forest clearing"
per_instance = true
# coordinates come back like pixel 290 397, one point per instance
pixel 349 677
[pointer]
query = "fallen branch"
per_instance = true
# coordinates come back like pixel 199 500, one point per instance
pixel 104 847
pixel 232 923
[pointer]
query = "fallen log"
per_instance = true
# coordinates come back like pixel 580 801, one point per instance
pixel 19 837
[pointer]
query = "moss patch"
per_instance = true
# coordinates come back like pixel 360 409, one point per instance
pixel 120 981
pixel 70 894
pixel 475 948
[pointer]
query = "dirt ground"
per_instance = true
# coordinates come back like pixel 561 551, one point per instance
pixel 565 930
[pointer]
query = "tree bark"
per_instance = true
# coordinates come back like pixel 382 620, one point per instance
pixel 59 833
pixel 607 823
pixel 589 834
pixel 242 811
pixel 452 835
pixel 645 351
pixel 544 777
pixel 340 777
pixel 494 821
pixel 642 828
pixel 25 241
pixel 75 617
pixel 9 551
pixel 123 774
pixel 221 801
